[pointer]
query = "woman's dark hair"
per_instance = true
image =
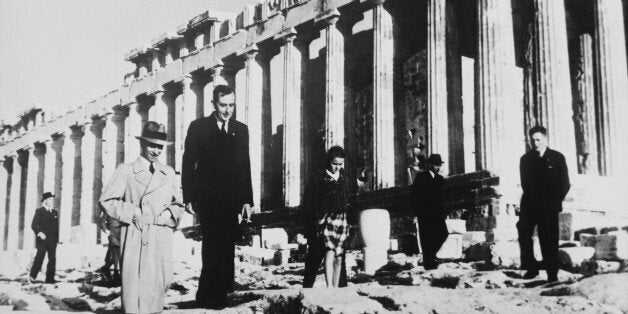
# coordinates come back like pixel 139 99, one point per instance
pixel 335 151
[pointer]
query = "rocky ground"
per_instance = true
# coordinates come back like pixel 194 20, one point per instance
pixel 401 286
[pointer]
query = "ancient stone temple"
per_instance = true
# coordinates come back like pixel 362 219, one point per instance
pixel 462 78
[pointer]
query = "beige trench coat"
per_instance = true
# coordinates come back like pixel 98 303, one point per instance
pixel 146 253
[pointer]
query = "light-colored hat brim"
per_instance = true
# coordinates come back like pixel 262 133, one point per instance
pixel 154 140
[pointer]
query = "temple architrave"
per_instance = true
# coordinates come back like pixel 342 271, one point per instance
pixel 465 78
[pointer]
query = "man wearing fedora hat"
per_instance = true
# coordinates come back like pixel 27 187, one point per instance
pixel 144 197
pixel 428 200
pixel 46 227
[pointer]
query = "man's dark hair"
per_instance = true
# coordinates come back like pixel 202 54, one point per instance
pixel 538 129
pixel 222 90
pixel 335 151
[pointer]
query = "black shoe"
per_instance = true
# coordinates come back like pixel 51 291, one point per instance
pixel 531 274
pixel 430 266
pixel 51 281
pixel 552 277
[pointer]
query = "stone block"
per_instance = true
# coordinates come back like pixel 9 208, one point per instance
pixel 573 257
pixel 565 226
pixel 589 231
pixel 612 246
pixel 456 225
pixel 282 257
pixel 274 237
pixel 452 248
pixel 563 243
pixel 256 256
pixel 587 239
pixel 606 230
pixel 470 238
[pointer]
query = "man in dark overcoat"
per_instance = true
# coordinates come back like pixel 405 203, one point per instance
pixel 428 199
pixel 545 183
pixel 45 224
pixel 216 181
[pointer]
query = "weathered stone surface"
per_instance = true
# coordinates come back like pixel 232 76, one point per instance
pixel 257 256
pixel 610 246
pixel 470 238
pixel 337 301
pixel 573 257
pixel 452 248
pixel 274 238
pixel 456 225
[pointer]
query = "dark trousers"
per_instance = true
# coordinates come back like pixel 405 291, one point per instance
pixel 219 229
pixel 547 226
pixel 43 248
pixel 433 233
pixel 315 255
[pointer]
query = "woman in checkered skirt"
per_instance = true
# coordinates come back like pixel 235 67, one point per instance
pixel 331 207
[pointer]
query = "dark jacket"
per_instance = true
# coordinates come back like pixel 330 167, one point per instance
pixel 216 166
pixel 428 195
pixel 330 195
pixel 544 180
pixel 46 222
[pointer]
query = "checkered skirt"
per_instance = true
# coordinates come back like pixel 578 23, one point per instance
pixel 334 231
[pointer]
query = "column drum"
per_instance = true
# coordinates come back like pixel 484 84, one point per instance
pixel 375 233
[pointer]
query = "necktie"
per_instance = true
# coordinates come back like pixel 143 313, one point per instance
pixel 151 168
pixel 223 130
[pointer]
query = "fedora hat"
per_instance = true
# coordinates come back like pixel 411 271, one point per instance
pixel 47 195
pixel 435 159
pixel 155 133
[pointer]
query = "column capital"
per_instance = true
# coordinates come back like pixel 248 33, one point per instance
pixel 328 18
pixel 248 52
pixel 157 92
pixel 286 35
pixel 28 147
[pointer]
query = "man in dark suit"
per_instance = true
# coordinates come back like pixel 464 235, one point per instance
pixel 545 183
pixel 46 227
pixel 428 193
pixel 216 180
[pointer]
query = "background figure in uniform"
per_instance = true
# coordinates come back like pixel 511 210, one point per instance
pixel 428 199
pixel 328 228
pixel 545 183
pixel 46 227
pixel 144 197
pixel 112 228
pixel 216 181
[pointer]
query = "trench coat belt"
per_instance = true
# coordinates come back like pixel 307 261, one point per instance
pixel 147 223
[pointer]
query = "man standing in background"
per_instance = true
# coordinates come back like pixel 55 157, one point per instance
pixel 46 227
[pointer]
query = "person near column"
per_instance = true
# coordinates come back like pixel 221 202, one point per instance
pixel 46 227
pixel 216 182
pixel 427 190
pixel 144 197
pixel 545 183
pixel 111 227
pixel 328 228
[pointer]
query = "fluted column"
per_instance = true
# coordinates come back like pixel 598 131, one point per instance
pixel 584 102
pixel 437 123
pixel 291 102
pixel 612 87
pixel 88 159
pixel 154 61
pixel 14 204
pixel 109 147
pixel 334 81
pixel 159 113
pixel 218 77
pixel 4 177
pixel 183 48
pixel 189 102
pixel 551 66
pixel 168 54
pixel 132 128
pixel 496 101
pixel 179 132
pixel 252 112
pixel 50 163
pixel 383 98
pixel 31 196
pixel 68 152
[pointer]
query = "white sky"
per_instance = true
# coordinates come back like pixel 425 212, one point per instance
pixel 63 53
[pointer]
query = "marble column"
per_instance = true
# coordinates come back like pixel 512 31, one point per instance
pixel 168 54
pixel 154 61
pixel 109 149
pixel 553 84
pixel 437 122
pixel 68 152
pixel 31 202
pixel 4 177
pixel 159 113
pixel 334 81
pixel 132 128
pixel 584 102
pixel 88 160
pixel 291 103
pixel 383 98
pixel 190 101
pixel 199 40
pixel 183 48
pixel 612 87
pixel 50 163
pixel 495 97
pixel 252 112
pixel 218 77
pixel 179 132
pixel 14 204
pixel 142 68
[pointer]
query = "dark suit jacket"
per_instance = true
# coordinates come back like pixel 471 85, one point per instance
pixel 216 166
pixel 428 195
pixel 545 180
pixel 46 222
